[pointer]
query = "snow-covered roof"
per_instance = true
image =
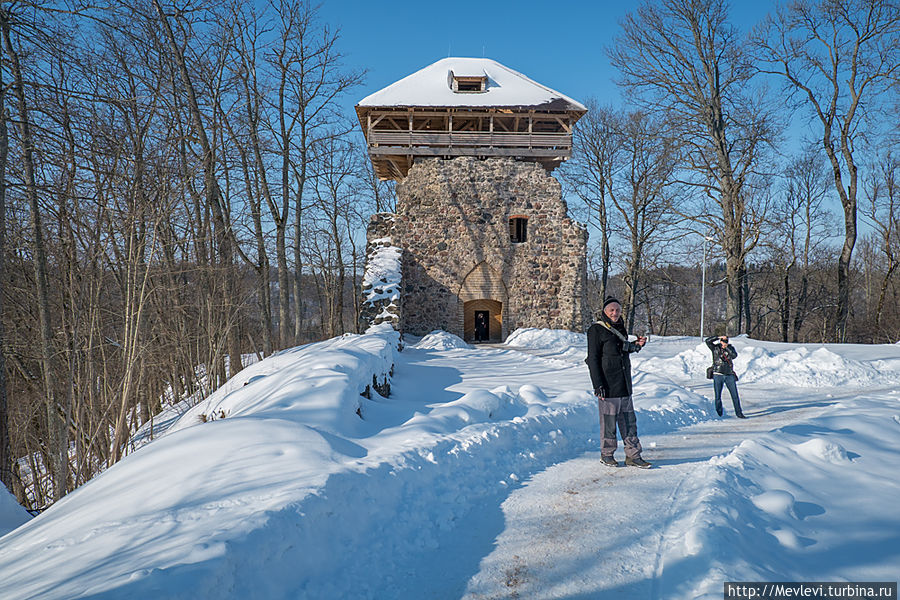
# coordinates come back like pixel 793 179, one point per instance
pixel 432 86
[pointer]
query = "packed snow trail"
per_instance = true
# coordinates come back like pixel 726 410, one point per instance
pixel 582 530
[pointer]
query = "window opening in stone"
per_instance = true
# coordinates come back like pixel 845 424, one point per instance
pixel 518 229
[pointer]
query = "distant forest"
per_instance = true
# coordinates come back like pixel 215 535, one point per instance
pixel 181 189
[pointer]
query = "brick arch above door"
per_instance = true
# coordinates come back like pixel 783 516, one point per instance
pixel 483 288
pixel 483 281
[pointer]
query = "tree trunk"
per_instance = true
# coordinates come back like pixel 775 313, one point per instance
pixel 6 458
pixel 298 221
pixel 604 251
pixel 214 200
pixel 842 311
pixel 284 280
pixel 800 306
pixel 786 305
pixel 882 293
pixel 284 286
pixel 58 443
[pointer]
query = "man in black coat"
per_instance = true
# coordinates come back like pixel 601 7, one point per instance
pixel 609 363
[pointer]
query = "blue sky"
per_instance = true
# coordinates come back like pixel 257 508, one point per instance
pixel 559 44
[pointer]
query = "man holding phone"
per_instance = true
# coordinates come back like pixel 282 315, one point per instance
pixel 609 363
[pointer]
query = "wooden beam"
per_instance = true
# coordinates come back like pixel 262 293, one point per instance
pixel 474 151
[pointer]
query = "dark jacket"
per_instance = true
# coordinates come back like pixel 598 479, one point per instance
pixel 722 357
pixel 608 359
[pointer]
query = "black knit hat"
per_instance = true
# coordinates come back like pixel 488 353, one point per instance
pixel 609 300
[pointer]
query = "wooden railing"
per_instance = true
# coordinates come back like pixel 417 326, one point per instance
pixel 417 139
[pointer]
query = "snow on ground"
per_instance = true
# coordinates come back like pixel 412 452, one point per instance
pixel 441 340
pixel 11 513
pixel 478 478
pixel 807 502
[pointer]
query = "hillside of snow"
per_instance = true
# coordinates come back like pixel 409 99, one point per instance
pixel 297 479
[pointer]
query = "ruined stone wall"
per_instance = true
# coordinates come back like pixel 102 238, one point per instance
pixel 452 222
pixel 381 298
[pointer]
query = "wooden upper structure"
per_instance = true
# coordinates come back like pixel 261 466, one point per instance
pixel 466 107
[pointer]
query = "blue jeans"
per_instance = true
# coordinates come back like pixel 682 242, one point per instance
pixel 730 382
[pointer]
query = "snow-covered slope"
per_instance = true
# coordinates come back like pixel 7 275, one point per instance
pixel 12 514
pixel 289 483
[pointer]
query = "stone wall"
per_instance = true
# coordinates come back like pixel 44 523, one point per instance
pixel 381 299
pixel 452 223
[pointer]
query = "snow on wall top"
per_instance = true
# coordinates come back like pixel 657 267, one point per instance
pixel 382 277
pixel 431 86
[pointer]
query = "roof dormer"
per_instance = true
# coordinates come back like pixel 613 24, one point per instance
pixel 467 84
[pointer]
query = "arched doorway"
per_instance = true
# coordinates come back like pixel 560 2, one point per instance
pixel 482 302
pixel 483 320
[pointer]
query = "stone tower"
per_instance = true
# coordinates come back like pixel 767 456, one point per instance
pixel 481 234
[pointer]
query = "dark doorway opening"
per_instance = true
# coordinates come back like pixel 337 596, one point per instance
pixel 491 329
pixel 482 325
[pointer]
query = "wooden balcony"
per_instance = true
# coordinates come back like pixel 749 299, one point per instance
pixel 384 142
pixel 393 152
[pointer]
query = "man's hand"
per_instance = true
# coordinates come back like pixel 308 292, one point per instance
pixel 641 340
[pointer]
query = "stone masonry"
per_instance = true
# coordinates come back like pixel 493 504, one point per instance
pixel 453 225
pixel 381 289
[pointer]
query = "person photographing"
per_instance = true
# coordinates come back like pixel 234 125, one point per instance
pixel 723 355
pixel 608 360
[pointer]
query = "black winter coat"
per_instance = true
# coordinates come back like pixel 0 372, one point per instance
pixel 723 358
pixel 609 360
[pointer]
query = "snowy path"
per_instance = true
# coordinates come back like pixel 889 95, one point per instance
pixel 579 530
pixel 579 527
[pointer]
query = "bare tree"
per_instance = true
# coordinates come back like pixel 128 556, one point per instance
pixel 6 458
pixel 797 233
pixel 308 69
pixel 641 191
pixel 882 211
pixel 58 447
pixel 837 58
pixel 589 174
pixel 213 197
pixel 334 186
pixel 255 168
pixel 683 60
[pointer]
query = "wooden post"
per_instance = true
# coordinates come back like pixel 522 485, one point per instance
pixel 530 128
pixel 491 128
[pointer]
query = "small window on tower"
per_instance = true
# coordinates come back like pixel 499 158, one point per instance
pixel 518 229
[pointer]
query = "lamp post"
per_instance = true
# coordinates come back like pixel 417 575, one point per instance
pixel 706 238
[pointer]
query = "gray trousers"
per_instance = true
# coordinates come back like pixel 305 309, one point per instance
pixel 619 412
